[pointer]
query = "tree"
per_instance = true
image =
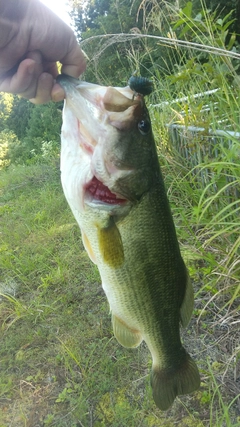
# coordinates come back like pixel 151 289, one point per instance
pixel 25 127
pixel 45 122
pixel 19 116
pixel 6 103
pixel 99 17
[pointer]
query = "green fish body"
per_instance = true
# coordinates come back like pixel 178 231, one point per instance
pixel 113 183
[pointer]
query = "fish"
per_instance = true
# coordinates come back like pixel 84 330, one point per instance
pixel 112 180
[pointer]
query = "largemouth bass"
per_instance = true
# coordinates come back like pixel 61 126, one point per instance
pixel 113 183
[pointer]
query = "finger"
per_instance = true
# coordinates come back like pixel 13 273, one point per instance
pixel 51 68
pixel 23 80
pixel 57 93
pixel 46 66
pixel 74 63
pixel 45 84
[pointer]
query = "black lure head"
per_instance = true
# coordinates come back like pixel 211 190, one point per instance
pixel 140 85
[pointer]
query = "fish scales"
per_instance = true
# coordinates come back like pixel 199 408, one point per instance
pixel 149 270
pixel 112 180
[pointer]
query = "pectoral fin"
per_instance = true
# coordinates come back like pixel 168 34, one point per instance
pixel 187 304
pixel 126 336
pixel 110 244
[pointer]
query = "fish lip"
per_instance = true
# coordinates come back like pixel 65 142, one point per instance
pixel 111 209
pixel 67 82
pixel 98 204
pixel 98 106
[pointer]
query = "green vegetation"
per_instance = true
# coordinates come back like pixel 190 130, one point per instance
pixel 27 131
pixel 60 365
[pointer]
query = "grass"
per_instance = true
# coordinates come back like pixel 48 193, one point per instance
pixel 60 365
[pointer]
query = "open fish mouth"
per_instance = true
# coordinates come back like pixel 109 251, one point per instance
pixel 99 192
pixel 97 120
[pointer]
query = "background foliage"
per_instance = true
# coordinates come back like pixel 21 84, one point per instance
pixel 112 62
pixel 60 365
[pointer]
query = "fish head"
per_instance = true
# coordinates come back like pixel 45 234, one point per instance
pixel 108 148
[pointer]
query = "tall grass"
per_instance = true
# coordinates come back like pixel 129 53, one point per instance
pixel 201 169
pixel 60 365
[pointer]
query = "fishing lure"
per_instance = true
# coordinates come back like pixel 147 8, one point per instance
pixel 140 85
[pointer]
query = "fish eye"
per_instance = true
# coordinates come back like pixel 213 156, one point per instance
pixel 144 126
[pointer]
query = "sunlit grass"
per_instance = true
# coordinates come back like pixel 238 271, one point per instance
pixel 60 365
pixel 56 336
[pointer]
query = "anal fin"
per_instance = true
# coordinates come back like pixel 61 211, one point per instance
pixel 126 336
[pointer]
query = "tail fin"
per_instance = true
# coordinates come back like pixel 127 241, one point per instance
pixel 169 383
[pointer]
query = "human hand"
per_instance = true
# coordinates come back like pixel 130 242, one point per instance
pixel 32 40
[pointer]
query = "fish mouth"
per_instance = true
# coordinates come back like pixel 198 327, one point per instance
pixel 95 106
pixel 96 191
pixel 97 119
